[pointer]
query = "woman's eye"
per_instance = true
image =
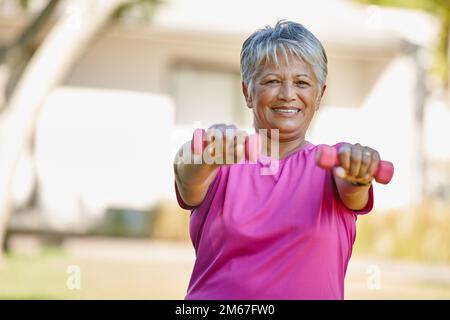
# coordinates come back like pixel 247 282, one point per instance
pixel 273 81
pixel 302 83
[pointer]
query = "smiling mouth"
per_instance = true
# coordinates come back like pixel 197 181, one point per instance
pixel 286 110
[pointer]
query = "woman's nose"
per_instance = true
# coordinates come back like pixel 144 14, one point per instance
pixel 286 92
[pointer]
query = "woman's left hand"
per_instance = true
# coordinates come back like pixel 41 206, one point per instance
pixel 358 164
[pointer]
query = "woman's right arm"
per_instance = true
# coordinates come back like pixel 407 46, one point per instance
pixel 193 176
pixel 192 180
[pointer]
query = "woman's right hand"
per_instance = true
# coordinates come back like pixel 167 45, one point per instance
pixel 194 173
pixel 225 144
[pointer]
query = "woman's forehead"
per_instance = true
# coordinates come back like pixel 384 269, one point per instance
pixel 292 65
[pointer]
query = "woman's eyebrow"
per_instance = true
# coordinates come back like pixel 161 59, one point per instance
pixel 278 75
pixel 270 74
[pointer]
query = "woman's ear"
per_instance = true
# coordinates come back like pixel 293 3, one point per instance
pixel 323 91
pixel 248 99
pixel 320 98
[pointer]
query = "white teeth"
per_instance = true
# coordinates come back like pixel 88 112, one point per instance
pixel 286 110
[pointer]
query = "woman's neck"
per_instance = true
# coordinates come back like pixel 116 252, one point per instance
pixel 284 148
pixel 288 148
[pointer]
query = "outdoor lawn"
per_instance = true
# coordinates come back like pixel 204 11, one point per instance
pixel 149 269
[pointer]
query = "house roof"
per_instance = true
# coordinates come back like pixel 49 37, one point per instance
pixel 336 22
pixel 339 24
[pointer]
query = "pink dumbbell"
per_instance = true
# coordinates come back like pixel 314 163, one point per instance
pixel 199 143
pixel 328 158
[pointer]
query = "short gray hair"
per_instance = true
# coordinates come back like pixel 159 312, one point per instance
pixel 286 37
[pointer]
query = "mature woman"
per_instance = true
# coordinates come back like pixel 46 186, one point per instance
pixel 288 235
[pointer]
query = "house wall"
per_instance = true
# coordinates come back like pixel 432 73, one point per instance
pixel 97 149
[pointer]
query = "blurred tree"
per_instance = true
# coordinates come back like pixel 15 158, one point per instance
pixel 37 61
pixel 441 10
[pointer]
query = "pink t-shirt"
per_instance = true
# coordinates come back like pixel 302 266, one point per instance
pixel 281 236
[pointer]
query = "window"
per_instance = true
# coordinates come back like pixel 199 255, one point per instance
pixel 208 94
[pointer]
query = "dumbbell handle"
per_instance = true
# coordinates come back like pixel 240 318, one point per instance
pixel 199 143
pixel 328 157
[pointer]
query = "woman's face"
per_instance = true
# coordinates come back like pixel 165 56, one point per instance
pixel 284 97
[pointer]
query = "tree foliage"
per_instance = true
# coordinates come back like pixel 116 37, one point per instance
pixel 441 10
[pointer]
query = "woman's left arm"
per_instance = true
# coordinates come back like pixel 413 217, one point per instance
pixel 354 176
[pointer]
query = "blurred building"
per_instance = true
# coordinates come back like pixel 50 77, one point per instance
pixel 111 128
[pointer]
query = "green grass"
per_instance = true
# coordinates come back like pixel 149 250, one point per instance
pixel 420 234
pixel 43 276
pixel 34 277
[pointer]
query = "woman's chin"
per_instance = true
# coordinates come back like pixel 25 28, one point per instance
pixel 283 127
pixel 287 127
pixel 286 132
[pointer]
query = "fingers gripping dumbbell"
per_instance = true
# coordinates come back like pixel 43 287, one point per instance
pixel 328 157
pixel 199 144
